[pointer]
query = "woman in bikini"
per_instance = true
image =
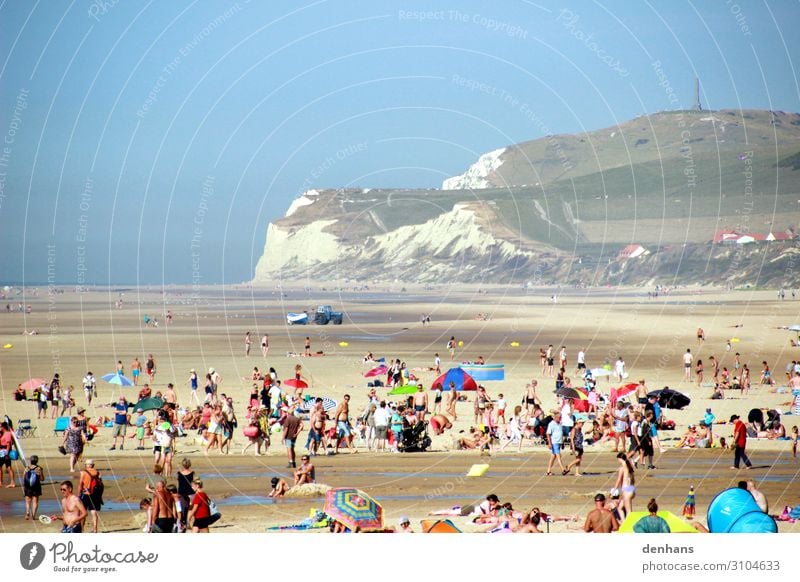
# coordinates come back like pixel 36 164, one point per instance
pixel 626 484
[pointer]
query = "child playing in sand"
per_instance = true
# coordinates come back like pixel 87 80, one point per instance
pixel 279 488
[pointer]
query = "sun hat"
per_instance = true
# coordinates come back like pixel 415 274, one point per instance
pixel 404 519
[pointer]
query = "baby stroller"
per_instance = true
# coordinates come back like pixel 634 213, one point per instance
pixel 415 439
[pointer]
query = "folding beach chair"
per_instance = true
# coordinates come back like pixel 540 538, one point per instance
pixel 62 424
pixel 25 428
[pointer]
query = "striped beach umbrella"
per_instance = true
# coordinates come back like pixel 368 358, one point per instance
pixel 353 508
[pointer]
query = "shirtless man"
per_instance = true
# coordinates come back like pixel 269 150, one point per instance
pixel 162 512
pixel 343 430
pixel 420 403
pixel 440 423
pixel 264 345
pixel 452 398
pixel 73 510
pixel 531 398
pixel 136 369
pixel 169 394
pixel 641 395
pixel 307 347
pixel 600 519
pixel 317 432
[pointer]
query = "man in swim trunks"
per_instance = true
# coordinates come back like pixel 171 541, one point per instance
pixel 531 398
pixel 600 519
pixel 343 430
pixel 136 369
pixel 307 347
pixel 641 395
pixel 687 365
pixel 162 511
pixel 72 509
pixel 440 423
pixel 317 432
pixel 420 403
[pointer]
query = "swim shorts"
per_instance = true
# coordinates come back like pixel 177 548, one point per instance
pixel 556 449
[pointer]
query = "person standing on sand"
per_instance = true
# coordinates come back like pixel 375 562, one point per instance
pixel 581 369
pixel 6 444
pixel 744 379
pixel 307 347
pixel 739 443
pixel 451 346
pixel 687 365
pixel 264 345
pixel 600 519
pixel 420 404
pixel 699 372
pixel 701 336
pixel 626 484
pixel 248 343
pixel 714 367
pixel 576 440
pixel 150 365
pixel 619 369
pixel 551 361
pixel 32 487
pixel 641 394
pixel 89 386
pixel 90 495
pixel 437 363
pixel 555 436
pixel 543 359
pixel 291 425
pixel 531 398
pixel 343 429
pixel 452 399
pixel 193 387
pixel 136 369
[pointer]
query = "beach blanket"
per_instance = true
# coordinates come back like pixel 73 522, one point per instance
pixel 316 520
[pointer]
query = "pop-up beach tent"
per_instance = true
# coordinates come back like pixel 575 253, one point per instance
pixel 735 511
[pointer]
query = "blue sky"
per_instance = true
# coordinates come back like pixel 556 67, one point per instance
pixel 149 141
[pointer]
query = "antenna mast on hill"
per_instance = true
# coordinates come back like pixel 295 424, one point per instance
pixel 697 106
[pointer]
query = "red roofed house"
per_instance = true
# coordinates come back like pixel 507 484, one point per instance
pixel 749 237
pixel 725 236
pixel 632 252
pixel 779 236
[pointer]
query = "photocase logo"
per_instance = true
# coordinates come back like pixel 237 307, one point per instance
pixel 32 555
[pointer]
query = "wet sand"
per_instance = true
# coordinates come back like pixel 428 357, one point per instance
pixel 80 332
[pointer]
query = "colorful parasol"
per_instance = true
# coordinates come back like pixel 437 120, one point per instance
pixel 353 508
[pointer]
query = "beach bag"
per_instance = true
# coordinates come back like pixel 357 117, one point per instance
pixel 213 512
pixel 31 478
pixel 251 431
pixel 13 455
pixel 62 449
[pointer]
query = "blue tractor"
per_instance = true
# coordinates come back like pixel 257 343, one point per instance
pixel 325 314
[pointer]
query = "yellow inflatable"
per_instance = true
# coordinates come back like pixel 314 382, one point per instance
pixel 477 470
pixel 461 344
pixel 343 344
pixel 514 344
pixel 8 346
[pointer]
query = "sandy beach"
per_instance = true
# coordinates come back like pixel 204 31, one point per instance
pixel 84 331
